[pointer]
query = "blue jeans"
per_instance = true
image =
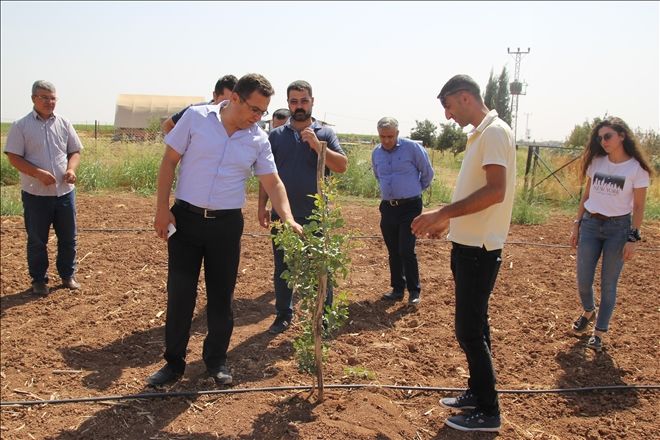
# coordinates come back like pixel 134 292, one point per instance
pixel 606 238
pixel 39 212
pixel 283 294
pixel 475 271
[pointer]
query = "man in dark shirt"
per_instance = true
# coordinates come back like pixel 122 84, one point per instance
pixel 280 117
pixel 222 92
pixel 295 146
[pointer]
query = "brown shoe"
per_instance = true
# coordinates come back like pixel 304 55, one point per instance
pixel 40 288
pixel 71 283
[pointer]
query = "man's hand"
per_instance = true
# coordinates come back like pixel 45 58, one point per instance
pixel 163 218
pixel 263 216
pixel 629 250
pixel 295 226
pixel 45 177
pixel 70 176
pixel 430 224
pixel 308 135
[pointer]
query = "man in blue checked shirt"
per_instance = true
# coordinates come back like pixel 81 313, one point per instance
pixel 403 171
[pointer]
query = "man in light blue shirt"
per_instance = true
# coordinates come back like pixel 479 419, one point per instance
pixel 218 147
pixel 45 149
pixel 403 171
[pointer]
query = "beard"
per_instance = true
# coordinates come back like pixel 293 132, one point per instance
pixel 301 115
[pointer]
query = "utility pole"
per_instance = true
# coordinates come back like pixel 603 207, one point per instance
pixel 527 136
pixel 516 88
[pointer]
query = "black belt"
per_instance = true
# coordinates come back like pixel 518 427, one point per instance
pixel 465 246
pixel 604 217
pixel 397 202
pixel 207 213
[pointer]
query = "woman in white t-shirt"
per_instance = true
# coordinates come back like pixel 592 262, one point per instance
pixel 617 177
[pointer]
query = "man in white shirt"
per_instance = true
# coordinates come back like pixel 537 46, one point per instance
pixel 478 219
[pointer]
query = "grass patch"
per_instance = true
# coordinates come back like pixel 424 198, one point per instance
pixel 10 200
pixel 359 372
pixel 8 174
pixel 526 212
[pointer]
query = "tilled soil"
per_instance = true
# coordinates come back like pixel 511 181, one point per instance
pixel 108 337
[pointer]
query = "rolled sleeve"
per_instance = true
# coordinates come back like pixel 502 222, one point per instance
pixel 265 163
pixel 179 138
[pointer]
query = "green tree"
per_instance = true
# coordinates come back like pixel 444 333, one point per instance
pixel 321 253
pixel 424 131
pixel 451 138
pixel 649 141
pixel 580 134
pixel 503 97
pixel 491 91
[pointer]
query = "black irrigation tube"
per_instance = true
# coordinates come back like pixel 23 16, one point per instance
pixel 361 237
pixel 309 387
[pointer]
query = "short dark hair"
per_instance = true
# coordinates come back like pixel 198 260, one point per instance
pixel 460 83
pixel 300 86
pixel 226 82
pixel 253 82
pixel 281 113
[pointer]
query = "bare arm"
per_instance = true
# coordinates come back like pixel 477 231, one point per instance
pixel 575 232
pixel 435 222
pixel 335 162
pixel 167 125
pixel 263 213
pixel 165 179
pixel 26 167
pixel 639 204
pixel 274 187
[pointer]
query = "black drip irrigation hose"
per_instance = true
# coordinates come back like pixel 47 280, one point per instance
pixel 310 387
pixel 354 237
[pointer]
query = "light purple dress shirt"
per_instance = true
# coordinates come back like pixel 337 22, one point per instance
pixel 214 166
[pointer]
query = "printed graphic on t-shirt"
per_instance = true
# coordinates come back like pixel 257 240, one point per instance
pixel 607 184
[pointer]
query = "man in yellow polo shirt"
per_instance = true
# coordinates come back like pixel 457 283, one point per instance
pixel 478 219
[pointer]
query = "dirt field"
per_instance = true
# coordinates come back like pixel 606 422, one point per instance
pixel 106 338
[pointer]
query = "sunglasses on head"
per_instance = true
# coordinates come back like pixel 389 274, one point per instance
pixel 605 137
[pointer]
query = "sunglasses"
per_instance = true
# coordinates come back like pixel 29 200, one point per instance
pixel 606 137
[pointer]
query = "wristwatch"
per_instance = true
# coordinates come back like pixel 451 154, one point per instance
pixel 634 236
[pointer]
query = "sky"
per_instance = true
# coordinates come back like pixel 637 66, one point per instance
pixel 364 60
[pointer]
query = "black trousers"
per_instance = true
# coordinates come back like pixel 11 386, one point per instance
pixel 216 242
pixel 475 270
pixel 395 226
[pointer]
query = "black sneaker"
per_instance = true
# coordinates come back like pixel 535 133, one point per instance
pixel 595 343
pixel 280 325
pixel 413 298
pixel 475 421
pixel 164 376
pixel 393 296
pixel 467 400
pixel 581 325
pixel 221 375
